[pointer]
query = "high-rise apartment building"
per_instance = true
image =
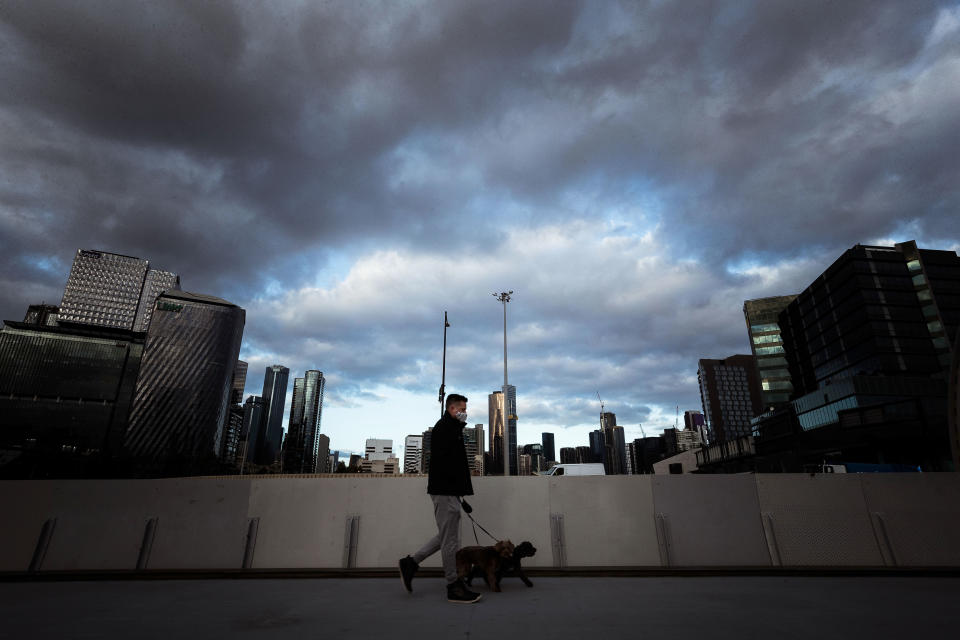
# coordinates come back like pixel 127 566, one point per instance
pixel 113 290
pixel 185 379
pixel 473 441
pixel 677 440
pixel 549 452
pixel 270 431
pixel 568 455
pixel 426 438
pixel 412 446
pixel 731 396
pixel 763 328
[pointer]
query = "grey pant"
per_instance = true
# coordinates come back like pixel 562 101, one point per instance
pixel 446 509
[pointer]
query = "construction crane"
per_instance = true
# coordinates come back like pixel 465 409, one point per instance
pixel 601 410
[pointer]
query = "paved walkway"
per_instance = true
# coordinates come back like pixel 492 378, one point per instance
pixel 675 608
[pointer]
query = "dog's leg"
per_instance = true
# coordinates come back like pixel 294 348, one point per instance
pixel 523 576
pixel 492 580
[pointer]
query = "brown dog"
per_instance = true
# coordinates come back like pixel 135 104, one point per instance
pixel 487 559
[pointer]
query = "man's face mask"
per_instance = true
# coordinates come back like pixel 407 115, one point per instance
pixel 462 416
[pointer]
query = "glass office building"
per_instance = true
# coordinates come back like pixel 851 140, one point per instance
pixel 763 329
pixel 185 380
pixel 65 393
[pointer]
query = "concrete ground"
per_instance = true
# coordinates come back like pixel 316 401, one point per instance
pixel 587 608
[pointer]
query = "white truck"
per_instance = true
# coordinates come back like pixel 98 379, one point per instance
pixel 588 469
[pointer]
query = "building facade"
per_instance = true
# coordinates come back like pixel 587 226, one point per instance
pixel 239 382
pixel 549 452
pixel 763 329
pixel 184 382
pixel 412 446
pixel 473 441
pixel 868 347
pixel 302 447
pixel 65 397
pixel 112 290
pixel 731 395
pixel 495 425
pixel 155 282
pixel 270 431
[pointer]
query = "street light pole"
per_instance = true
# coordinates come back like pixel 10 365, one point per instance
pixel 443 377
pixel 504 298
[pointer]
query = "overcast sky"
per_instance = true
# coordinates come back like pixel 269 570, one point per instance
pixel 346 171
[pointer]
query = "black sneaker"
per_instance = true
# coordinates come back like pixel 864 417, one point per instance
pixel 458 592
pixel 408 567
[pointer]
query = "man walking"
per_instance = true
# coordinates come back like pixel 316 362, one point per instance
pixel 447 480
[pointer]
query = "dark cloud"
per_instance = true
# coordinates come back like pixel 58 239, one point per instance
pixel 258 149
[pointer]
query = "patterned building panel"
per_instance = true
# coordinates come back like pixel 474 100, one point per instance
pixel 155 283
pixel 103 289
pixel 185 378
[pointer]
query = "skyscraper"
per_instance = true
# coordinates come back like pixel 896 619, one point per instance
pixel 730 393
pixel 293 439
pixel 495 425
pixel 239 382
pixel 510 430
pixel 598 449
pixel 412 445
pixel 473 441
pixel 250 431
pixel 103 289
pixel 324 463
pixel 763 329
pixel 185 379
pixel 113 290
pixel 270 433
pixel 301 449
pixel 619 449
pixel 549 452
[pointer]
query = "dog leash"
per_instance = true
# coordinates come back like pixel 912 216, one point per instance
pixel 467 509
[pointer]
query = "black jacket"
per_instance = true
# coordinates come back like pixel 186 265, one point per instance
pixel 449 473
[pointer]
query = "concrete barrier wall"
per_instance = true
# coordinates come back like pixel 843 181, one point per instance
pixel 868 520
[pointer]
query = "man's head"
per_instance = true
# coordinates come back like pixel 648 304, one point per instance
pixel 457 404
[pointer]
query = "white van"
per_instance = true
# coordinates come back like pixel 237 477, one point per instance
pixel 589 469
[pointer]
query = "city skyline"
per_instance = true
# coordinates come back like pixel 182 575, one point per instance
pixel 634 177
